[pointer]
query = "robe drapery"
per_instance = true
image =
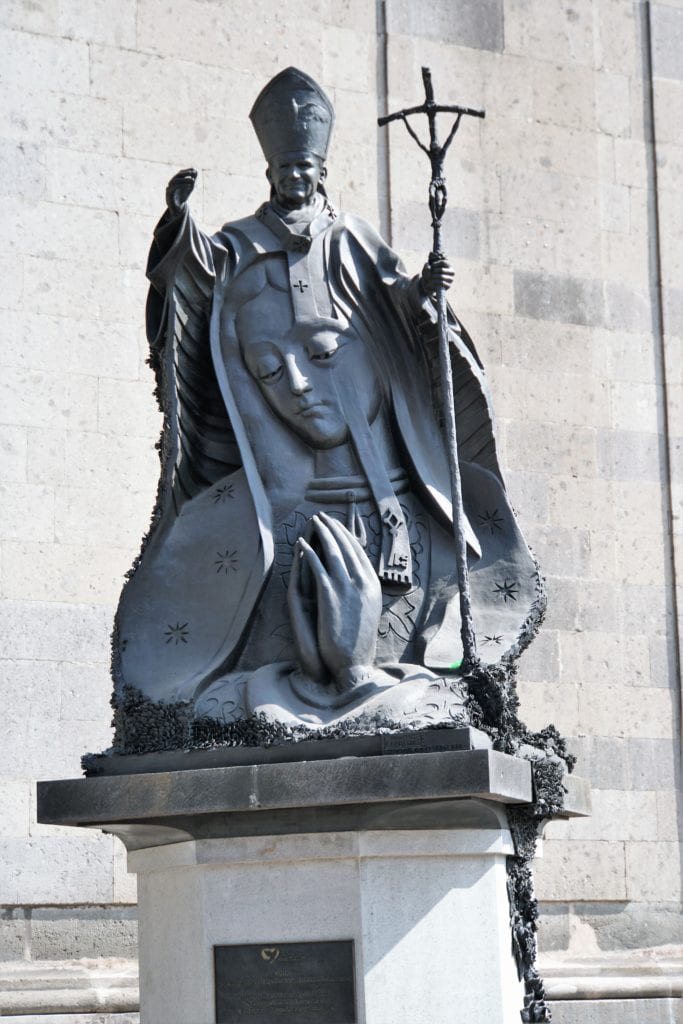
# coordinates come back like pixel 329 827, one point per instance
pixel 185 613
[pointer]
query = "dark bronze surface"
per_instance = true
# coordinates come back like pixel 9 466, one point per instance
pixel 285 983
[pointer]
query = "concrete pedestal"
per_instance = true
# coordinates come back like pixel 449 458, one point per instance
pixel 404 855
pixel 427 911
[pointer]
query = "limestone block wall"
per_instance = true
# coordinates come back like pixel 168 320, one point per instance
pixel 564 224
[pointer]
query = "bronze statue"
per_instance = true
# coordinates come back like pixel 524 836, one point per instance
pixel 300 565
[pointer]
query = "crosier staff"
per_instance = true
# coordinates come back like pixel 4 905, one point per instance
pixel 438 197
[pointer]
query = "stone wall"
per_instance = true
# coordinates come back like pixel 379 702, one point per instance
pixel 565 224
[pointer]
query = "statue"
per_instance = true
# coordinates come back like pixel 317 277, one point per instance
pixel 300 565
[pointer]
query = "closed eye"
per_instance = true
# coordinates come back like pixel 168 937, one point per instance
pixel 321 357
pixel 269 376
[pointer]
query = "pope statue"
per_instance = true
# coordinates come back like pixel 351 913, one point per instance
pixel 300 566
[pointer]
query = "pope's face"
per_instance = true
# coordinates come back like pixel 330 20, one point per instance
pixel 304 375
pixel 295 178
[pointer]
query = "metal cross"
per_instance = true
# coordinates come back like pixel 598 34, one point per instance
pixel 301 285
pixel 438 197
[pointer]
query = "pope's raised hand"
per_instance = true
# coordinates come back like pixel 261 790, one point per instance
pixel 179 189
pixel 348 601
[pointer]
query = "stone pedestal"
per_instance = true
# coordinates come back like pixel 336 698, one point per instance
pixel 404 856
pixel 427 912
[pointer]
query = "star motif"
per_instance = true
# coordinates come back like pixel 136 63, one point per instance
pixel 222 494
pixel 226 561
pixel 508 590
pixel 496 639
pixel 491 521
pixel 177 634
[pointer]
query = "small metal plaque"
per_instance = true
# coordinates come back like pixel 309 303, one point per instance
pixel 427 741
pixel 285 983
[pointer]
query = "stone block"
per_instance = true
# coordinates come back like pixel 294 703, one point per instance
pixel 570 201
pixel 34 18
pixel 568 450
pixel 37 61
pixel 643 557
pixel 615 208
pixel 663 661
pixel 348 14
pixel 553 927
pixel 588 503
pixel 84 517
pixel 654 764
pixel 545 703
pixel 605 761
pixel 668 98
pixel 80 122
pixel 461 230
pixel 101 292
pixel 22 170
pixel 60 870
pixel 13 454
pixel 40 343
pixel 653 871
pixel 599 606
pixel 630 163
pixel 95 21
pixel 26 512
pixel 603 553
pixel 84 692
pixel 82 179
pixel 175 137
pixel 80 1018
pixel 626 453
pixel 540 661
pixel 586 870
pixel 617 816
pixel 570 300
pixel 595 658
pixel 12 272
pixel 667 819
pixel 348 59
pixel 561 552
pixel 46 457
pixel 563 603
pixel 83 932
pixel 120 75
pixel 98 459
pixel 617 1011
pixel 613 104
pixel 550 28
pixel 619 926
pixel 14 807
pixel 129 407
pixel 460 23
pixel 53 631
pixel 646 609
pixel 667 41
pixel 125 882
pixel 564 95
pixel 61 572
pixel 620 355
pixel 608 709
pixel 545 249
pixel 13 936
pixel 618 46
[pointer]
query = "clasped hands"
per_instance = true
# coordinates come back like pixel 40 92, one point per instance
pixel 335 603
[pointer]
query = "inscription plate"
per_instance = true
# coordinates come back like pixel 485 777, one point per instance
pixel 285 983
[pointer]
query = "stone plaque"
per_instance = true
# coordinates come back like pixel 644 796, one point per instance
pixel 285 983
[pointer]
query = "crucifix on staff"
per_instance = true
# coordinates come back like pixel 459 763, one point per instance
pixel 438 198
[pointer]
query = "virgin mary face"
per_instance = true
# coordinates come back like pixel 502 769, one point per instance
pixel 305 370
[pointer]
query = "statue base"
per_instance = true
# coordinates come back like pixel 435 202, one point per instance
pixel 363 890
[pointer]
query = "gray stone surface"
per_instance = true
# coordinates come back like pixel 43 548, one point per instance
pixel 63 934
pixel 264 788
pixel 551 297
pixel 667 41
pixel 13 935
pixel 618 1011
pixel 553 927
pixel 475 23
